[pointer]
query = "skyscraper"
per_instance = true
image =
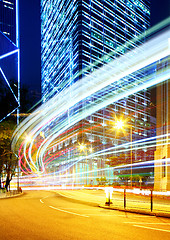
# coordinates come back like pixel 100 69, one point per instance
pixel 9 57
pixel 8 19
pixel 76 34
pixel 162 153
pixel 81 36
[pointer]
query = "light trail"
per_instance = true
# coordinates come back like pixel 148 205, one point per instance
pixel 52 119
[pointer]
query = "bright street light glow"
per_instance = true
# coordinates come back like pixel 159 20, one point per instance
pixel 91 149
pixel 81 147
pixel 28 138
pixel 119 124
pixel 44 119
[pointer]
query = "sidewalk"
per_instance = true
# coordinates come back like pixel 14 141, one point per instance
pixel 134 204
pixel 12 193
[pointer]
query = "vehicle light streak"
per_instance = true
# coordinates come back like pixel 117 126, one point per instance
pixel 52 117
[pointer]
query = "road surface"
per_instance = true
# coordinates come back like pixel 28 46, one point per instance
pixel 47 215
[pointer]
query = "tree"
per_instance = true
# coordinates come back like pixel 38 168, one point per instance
pixel 101 181
pixel 1 164
pixel 8 103
pixel 8 161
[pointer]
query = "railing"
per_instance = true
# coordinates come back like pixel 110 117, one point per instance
pixel 140 199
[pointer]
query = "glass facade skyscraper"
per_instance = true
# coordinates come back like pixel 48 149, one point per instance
pixel 76 34
pixel 79 37
pixel 9 57
pixel 8 19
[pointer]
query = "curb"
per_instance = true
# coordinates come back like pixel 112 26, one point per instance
pixel 139 211
pixel 12 196
pixel 130 210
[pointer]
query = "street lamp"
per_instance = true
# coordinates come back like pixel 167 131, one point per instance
pixel 85 149
pixel 119 125
pixel 28 139
pixel 82 147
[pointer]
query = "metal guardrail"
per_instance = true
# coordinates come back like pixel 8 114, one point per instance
pixel 141 199
pixel 127 198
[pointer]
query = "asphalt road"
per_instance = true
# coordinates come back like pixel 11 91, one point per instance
pixel 47 215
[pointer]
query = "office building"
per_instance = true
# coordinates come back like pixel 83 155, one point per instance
pixel 9 57
pixel 76 34
pixel 77 38
pixel 8 19
pixel 162 153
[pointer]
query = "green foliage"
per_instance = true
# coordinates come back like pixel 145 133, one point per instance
pixel 101 181
pixel 6 129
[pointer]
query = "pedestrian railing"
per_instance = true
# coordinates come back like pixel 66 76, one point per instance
pixel 139 199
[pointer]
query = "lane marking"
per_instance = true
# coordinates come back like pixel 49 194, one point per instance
pixel 43 198
pixel 58 209
pixel 76 208
pixel 64 210
pixel 163 230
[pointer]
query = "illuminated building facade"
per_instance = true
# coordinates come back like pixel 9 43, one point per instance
pixel 8 18
pixel 76 34
pixel 79 37
pixel 162 153
pixel 9 57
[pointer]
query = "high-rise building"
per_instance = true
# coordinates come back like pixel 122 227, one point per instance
pixel 77 38
pixel 76 34
pixel 8 19
pixel 162 153
pixel 9 57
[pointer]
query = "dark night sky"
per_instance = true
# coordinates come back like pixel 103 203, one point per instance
pixel 30 45
pixel 30 38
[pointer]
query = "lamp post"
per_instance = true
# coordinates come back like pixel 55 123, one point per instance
pixel 83 148
pixel 131 153
pixel 119 125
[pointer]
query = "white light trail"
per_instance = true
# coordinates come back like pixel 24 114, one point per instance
pixel 55 110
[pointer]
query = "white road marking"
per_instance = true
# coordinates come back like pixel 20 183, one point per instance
pixel 75 208
pixel 43 198
pixel 58 209
pixel 163 230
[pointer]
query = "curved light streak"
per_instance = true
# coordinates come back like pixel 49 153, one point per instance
pixel 56 109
